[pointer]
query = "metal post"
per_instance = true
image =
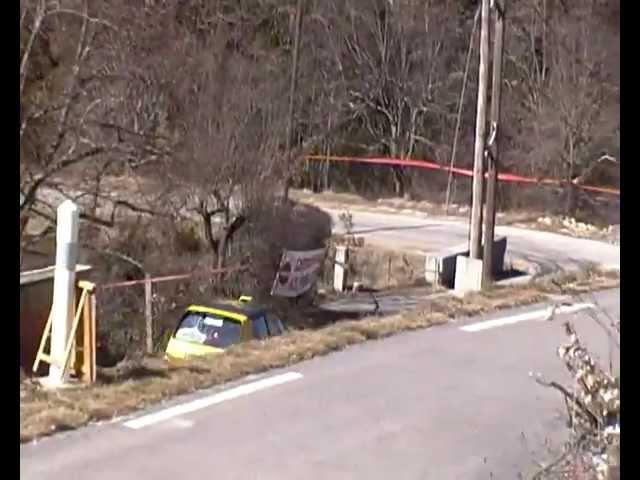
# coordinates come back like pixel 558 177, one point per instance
pixel 148 312
pixel 64 280
pixel 493 146
pixel 475 231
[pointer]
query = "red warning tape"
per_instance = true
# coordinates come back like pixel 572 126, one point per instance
pixel 505 177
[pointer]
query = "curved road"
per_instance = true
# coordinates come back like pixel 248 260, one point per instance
pixel 451 402
pixel 447 403
pixel 542 252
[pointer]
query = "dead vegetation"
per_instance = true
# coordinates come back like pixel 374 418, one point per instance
pixel 134 385
pixel 579 282
pixel 116 89
pixel 256 247
pixel 592 405
pixel 574 228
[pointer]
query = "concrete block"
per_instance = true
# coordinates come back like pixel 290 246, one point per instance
pixel 340 268
pixel 468 274
pixel 499 252
pixel 440 266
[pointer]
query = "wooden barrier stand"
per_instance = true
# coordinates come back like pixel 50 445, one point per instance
pixel 81 346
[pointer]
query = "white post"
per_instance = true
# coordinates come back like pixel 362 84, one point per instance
pixel 63 286
pixel 340 268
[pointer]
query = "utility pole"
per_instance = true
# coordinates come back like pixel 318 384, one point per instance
pixel 475 229
pixel 292 95
pixel 493 143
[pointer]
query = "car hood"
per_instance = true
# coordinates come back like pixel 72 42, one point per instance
pixel 182 350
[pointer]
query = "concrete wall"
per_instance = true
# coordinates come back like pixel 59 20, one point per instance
pixel 36 296
pixel 440 267
pixel 378 268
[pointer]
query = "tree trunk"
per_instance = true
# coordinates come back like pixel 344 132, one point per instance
pixel 398 172
pixel 227 235
pixel 208 233
pixel 570 206
pixel 222 250
pixel 398 182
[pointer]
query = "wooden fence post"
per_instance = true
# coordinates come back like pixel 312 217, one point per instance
pixel 89 339
pixel 148 312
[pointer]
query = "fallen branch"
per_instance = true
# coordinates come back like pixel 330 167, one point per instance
pixel 569 397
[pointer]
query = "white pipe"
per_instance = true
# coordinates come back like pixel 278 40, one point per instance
pixel 63 286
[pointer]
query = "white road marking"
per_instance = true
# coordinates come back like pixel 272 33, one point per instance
pixel 523 317
pixel 242 390
pixel 180 423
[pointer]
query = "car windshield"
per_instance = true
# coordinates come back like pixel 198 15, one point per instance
pixel 207 329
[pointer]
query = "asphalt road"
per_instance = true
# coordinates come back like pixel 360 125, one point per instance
pixel 542 252
pixel 442 403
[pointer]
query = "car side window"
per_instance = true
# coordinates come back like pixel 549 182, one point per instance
pixel 274 324
pixel 259 327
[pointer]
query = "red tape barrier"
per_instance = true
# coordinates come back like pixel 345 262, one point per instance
pixel 168 278
pixel 505 177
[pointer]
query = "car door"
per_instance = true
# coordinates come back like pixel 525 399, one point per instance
pixel 274 325
pixel 259 327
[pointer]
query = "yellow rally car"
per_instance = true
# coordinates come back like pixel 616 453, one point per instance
pixel 206 330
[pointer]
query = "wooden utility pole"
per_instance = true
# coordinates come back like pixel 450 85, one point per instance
pixel 475 229
pixel 292 95
pixel 493 143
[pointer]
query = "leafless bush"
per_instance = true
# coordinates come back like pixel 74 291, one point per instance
pixel 392 72
pixel 562 95
pixel 593 409
pixel 346 218
pixel 142 248
pixel 384 67
pixel 88 108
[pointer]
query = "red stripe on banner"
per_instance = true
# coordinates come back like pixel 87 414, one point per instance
pixel 505 177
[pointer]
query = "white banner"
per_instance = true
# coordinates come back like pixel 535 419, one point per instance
pixel 298 272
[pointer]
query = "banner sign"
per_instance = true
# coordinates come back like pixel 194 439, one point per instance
pixel 298 272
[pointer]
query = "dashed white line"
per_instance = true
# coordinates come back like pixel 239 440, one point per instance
pixel 242 390
pixel 523 317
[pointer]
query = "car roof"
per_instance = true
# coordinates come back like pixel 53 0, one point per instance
pixel 238 310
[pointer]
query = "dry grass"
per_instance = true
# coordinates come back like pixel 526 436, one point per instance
pixel 583 281
pixel 133 386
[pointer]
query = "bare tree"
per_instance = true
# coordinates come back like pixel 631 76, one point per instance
pixel 87 110
pixel 227 113
pixel 391 61
pixel 563 90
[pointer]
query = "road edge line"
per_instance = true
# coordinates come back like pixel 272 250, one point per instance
pixel 201 403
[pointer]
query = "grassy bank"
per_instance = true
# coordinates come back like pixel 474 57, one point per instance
pixel 133 386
